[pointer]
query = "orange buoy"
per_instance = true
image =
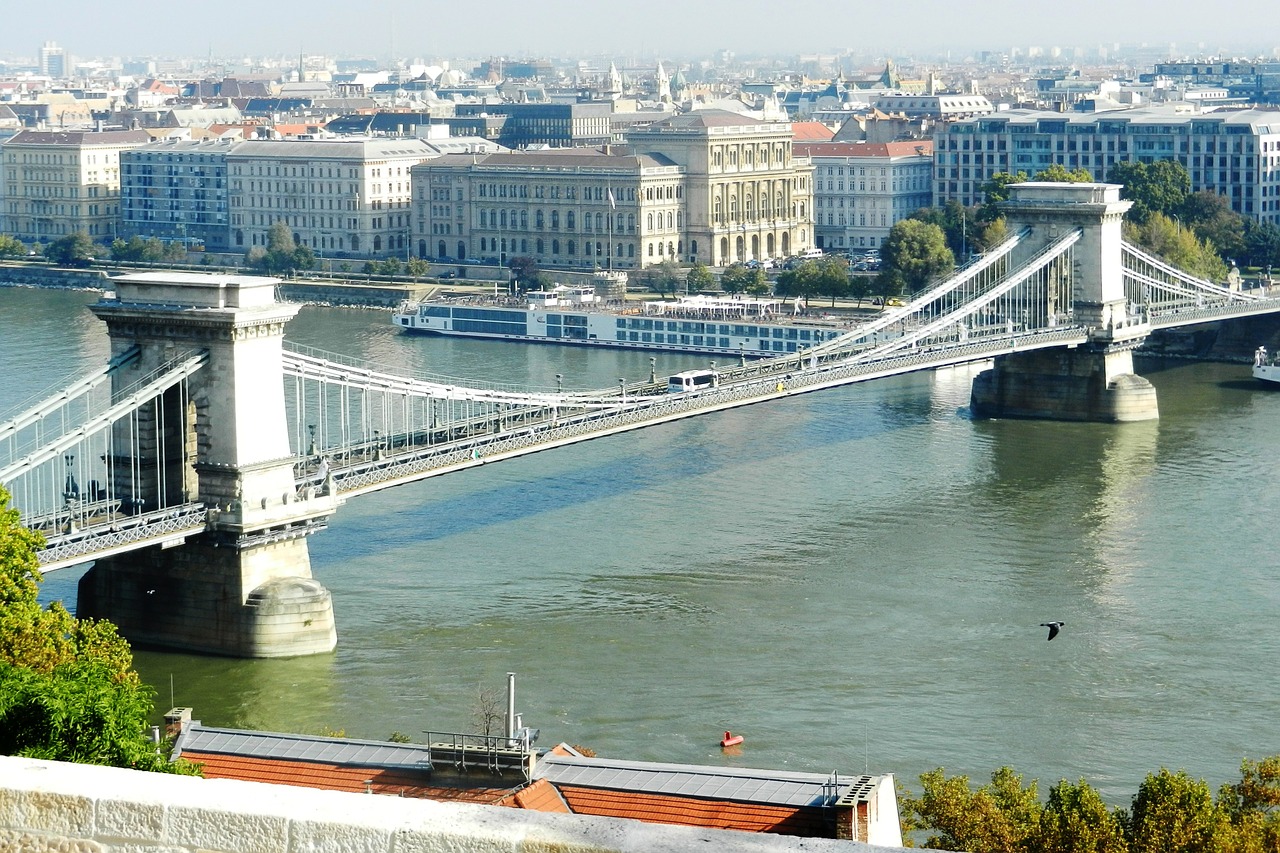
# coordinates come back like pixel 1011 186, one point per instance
pixel 730 739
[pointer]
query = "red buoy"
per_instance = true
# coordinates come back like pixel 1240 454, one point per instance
pixel 730 739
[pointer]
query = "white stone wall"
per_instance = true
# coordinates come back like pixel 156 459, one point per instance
pixel 50 806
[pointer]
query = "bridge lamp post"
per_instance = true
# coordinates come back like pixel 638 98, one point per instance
pixel 622 388
pixel 653 369
pixel 559 383
pixel 311 448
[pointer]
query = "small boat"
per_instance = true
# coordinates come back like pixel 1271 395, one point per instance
pixel 730 739
pixel 1266 367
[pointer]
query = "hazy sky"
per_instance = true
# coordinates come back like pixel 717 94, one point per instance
pixel 432 29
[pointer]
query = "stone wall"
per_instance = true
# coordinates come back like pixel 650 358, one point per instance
pixel 48 806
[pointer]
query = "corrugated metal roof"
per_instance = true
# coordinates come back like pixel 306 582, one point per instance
pixel 365 753
pixel 775 787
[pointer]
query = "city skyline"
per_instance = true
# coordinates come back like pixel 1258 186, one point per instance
pixel 555 27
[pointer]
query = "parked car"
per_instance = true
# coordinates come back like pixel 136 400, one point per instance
pixel 447 274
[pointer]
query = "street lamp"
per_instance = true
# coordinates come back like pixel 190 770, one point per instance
pixel 622 388
pixel 653 369
pixel 560 383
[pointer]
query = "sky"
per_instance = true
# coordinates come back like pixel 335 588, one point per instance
pixel 433 29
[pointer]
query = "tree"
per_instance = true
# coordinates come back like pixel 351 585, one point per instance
pixel 996 818
pixel 1160 187
pixel 526 274
pixel 417 268
pixel 1211 217
pixel 1059 173
pixel 282 253
pixel 1261 244
pixel 666 277
pixel 995 191
pixel 68 691
pixel 1173 812
pixel 11 247
pixel 1075 820
pixel 993 234
pixel 833 278
pixel 1179 246
pixel 800 280
pixel 918 251
pixel 699 278
pixel 73 250
pixel 736 278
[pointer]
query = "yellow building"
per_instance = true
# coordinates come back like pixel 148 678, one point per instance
pixel 55 183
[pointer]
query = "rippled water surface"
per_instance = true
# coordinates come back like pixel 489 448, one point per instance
pixel 852 578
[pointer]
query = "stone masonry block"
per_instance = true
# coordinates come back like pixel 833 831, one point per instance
pixel 308 836
pixel 129 820
pixel 31 842
pixel 232 831
pixel 56 812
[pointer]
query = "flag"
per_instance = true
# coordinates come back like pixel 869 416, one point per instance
pixel 613 205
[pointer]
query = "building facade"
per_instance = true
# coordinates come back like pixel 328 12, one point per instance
pixel 747 196
pixel 571 207
pixel 177 191
pixel 712 186
pixel 57 183
pixel 861 189
pixel 1232 153
pixel 346 198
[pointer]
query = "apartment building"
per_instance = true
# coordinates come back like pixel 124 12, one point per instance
pixel 860 189
pixel 344 197
pixel 55 183
pixel 177 191
pixel 1233 153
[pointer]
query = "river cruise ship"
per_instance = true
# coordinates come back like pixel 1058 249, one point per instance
pixel 720 325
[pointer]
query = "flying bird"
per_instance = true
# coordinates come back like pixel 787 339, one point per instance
pixel 1054 628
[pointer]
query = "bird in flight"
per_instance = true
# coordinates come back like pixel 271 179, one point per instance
pixel 1054 628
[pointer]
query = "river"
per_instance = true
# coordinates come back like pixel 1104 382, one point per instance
pixel 851 579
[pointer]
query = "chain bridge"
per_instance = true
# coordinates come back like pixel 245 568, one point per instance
pixel 193 466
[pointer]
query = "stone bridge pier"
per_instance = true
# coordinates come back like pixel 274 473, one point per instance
pixel 1093 382
pixel 243 587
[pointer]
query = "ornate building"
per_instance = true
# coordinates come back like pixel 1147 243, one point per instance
pixel 711 186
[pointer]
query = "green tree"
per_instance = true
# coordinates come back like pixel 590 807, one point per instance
pixel 736 278
pixel 918 251
pixel 699 278
pixel 388 267
pixel 888 284
pixel 1261 244
pixel 73 250
pixel 1160 187
pixel 996 818
pixel 1179 246
pixel 1059 173
pixel 666 277
pixel 833 278
pixel 417 268
pixel 1173 812
pixel 993 234
pixel 1211 217
pixel 995 191
pixel 68 691
pixel 800 280
pixel 282 253
pixel 526 274
pixel 11 247
pixel 1075 820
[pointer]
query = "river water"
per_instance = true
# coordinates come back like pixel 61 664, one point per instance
pixel 851 579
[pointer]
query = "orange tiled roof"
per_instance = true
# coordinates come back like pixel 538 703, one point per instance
pixel 334 777
pixel 810 131
pixel 689 811
pixel 540 796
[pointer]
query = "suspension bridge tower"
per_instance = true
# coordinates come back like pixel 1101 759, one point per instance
pixel 1093 382
pixel 243 587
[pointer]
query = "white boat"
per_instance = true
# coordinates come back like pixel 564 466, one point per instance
pixel 720 325
pixel 1265 366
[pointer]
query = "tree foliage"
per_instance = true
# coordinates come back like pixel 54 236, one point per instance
pixel 527 274
pixel 73 250
pixel 739 278
pixel 282 254
pixel 1170 813
pixel 918 251
pixel 1177 245
pixel 11 247
pixel 68 691
pixel 1160 187
pixel 996 190
pixel 699 278
pixel 1059 173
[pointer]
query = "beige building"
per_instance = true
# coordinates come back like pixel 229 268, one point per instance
pixel 711 186
pixel 345 197
pixel 747 196
pixel 55 183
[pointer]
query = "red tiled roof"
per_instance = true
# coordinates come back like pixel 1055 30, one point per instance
pixel 911 148
pixel 334 777
pixel 688 811
pixel 541 796
pixel 810 130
